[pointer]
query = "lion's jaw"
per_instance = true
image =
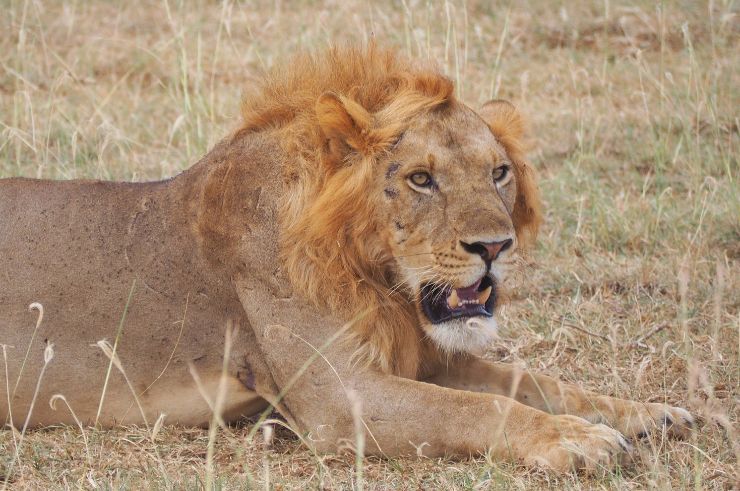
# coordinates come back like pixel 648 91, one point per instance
pixel 461 319
pixel 458 319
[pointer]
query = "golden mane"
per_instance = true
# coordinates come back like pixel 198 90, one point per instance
pixel 373 77
pixel 328 239
pixel 334 113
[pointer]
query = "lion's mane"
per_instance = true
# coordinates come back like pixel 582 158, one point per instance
pixel 329 236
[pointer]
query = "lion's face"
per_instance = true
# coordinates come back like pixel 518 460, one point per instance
pixel 422 201
pixel 448 192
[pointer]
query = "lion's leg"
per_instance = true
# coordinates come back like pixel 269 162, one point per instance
pixel 548 394
pixel 331 403
pixel 307 372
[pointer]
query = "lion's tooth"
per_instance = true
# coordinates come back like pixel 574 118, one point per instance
pixel 483 297
pixel 453 300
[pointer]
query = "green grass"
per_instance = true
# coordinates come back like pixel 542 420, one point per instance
pixel 634 131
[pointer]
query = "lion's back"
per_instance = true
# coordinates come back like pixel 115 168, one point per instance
pixel 59 231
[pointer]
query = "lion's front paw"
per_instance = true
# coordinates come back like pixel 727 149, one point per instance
pixel 644 418
pixel 570 442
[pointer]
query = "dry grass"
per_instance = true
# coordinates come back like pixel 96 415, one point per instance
pixel 635 132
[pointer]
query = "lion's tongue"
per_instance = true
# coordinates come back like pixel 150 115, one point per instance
pixel 467 295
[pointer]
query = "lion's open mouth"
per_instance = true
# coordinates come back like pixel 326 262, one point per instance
pixel 442 304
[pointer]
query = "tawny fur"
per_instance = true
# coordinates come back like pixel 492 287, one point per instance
pixel 277 232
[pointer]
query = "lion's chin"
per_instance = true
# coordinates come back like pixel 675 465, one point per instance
pixel 466 335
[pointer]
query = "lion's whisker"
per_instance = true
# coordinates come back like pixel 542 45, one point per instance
pixel 412 255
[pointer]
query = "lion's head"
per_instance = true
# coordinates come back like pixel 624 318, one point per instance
pixel 403 205
pixel 448 198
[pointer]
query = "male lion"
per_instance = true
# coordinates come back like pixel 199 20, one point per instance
pixel 358 197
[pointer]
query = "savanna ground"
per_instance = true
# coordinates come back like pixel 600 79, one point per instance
pixel 634 287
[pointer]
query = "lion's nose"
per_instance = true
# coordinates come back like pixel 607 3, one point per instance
pixel 489 251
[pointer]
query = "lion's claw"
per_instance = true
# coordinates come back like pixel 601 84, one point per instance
pixel 644 418
pixel 678 422
pixel 570 442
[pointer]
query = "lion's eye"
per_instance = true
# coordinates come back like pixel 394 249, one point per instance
pixel 420 179
pixel 500 173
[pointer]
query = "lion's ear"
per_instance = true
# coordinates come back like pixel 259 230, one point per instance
pixel 503 119
pixel 508 126
pixel 345 123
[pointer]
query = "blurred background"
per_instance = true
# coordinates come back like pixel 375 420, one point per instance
pixel 633 111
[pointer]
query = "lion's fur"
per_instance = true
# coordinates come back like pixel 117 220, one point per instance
pixel 329 238
pixel 201 259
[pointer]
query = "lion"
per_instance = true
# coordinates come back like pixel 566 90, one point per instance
pixel 341 255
